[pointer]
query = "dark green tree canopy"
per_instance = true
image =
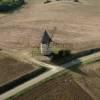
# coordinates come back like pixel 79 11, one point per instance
pixel 6 5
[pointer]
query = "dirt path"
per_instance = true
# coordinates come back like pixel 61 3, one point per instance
pixel 54 70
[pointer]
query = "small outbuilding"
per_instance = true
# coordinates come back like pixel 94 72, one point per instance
pixel 45 44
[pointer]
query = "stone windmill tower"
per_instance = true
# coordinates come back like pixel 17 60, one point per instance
pixel 45 44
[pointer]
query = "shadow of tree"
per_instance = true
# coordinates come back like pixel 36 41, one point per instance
pixel 67 56
pixel 74 66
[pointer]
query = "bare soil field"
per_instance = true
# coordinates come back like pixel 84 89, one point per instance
pixel 90 81
pixel 61 88
pixel 11 68
pixel 76 24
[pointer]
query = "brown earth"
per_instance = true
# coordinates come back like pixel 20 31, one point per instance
pixel 11 68
pixel 90 81
pixel 76 24
pixel 61 88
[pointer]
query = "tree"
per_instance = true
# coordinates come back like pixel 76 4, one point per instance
pixel 10 5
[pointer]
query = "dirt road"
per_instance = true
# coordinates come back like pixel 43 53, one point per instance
pixel 54 70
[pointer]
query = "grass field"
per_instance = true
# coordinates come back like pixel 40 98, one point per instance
pixel 77 25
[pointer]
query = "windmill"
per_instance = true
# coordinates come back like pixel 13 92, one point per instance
pixel 45 44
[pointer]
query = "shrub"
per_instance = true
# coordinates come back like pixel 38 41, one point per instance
pixel 47 1
pixel 64 53
pixel 76 0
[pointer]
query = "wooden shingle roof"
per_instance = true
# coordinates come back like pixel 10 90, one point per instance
pixel 46 39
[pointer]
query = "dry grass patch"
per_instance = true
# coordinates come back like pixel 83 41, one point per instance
pixel 11 68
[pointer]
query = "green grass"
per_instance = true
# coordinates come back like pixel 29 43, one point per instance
pixel 76 68
pixel 36 51
pixel 56 50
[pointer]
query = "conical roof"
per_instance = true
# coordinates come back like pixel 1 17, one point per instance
pixel 46 39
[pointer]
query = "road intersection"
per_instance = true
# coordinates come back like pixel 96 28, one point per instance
pixel 53 70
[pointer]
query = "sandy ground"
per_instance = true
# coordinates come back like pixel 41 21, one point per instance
pixel 76 24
